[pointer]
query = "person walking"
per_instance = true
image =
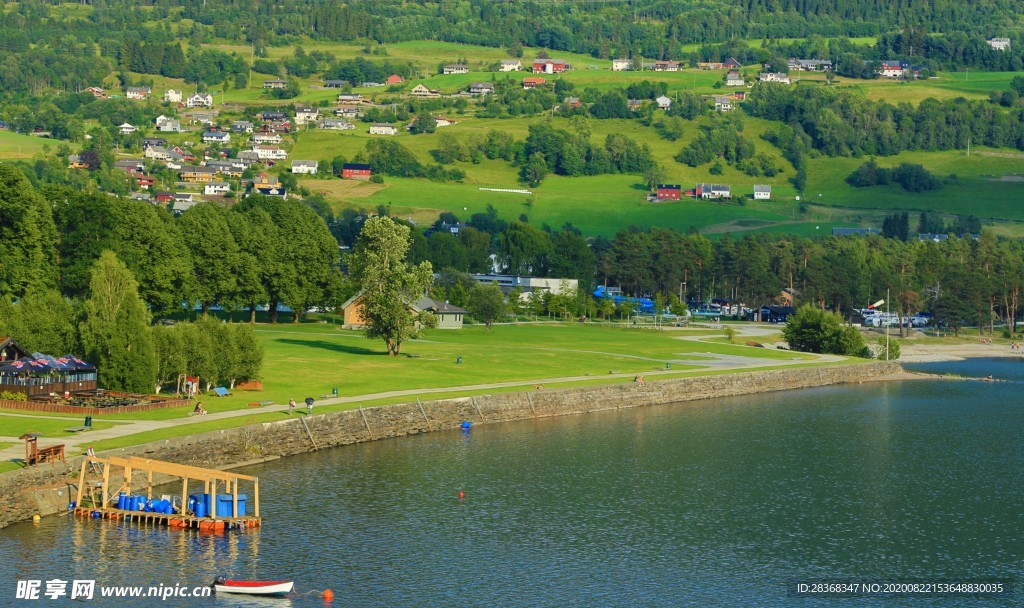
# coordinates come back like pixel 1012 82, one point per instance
pixel 309 406
pixel 291 406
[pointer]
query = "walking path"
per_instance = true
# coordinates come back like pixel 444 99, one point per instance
pixel 77 444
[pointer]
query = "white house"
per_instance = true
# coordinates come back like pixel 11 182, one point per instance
pixel 622 65
pixel 266 138
pixel 999 44
pixel 733 79
pixel 774 77
pixel 127 128
pixel 481 88
pixel 510 65
pixel 334 124
pixel 172 96
pixel 199 100
pixel 137 92
pixel 380 128
pixel 723 103
pixel 306 115
pixel 156 153
pixel 713 191
pixel 664 103
pixel 307 167
pixel 892 69
pixel 216 137
pixel 421 90
pixel 455 68
pixel 270 152
pixel 762 192
pixel 242 126
pixel 216 188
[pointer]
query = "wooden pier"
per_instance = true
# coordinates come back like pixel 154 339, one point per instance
pixel 105 505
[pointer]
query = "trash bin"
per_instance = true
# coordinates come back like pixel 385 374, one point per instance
pixel 335 391
pixel 88 421
pixel 224 502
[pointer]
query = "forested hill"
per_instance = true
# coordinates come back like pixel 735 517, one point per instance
pixel 602 28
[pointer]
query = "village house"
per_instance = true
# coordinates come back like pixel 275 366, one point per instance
pixel 306 115
pixel 356 171
pixel 421 90
pixel 274 84
pixel 668 192
pixel 455 68
pixel 999 44
pixel 892 69
pixel 550 66
pixel 382 128
pixel 664 103
pixel 394 79
pixel 155 153
pixel 442 121
pixel 267 186
pixel 130 165
pixel 723 103
pixel 201 117
pixel 242 126
pixel 334 124
pixel 305 167
pixel 710 65
pixel 571 102
pixel 350 98
pixel 510 65
pixel 731 63
pixel 349 111
pixel 733 79
pixel 713 191
pixel 774 77
pixel 216 188
pixel 173 96
pixel 265 138
pixel 531 83
pixel 269 152
pixel 622 65
pixel 762 192
pixel 199 100
pixel 75 162
pixel 153 141
pixel 166 124
pixel 371 84
pixel 141 196
pixel 448 315
pixel 197 174
pixel 272 116
pixel 127 129
pixel 223 167
pixel 247 158
pixel 163 197
pixel 481 88
pixel 182 202
pixel 144 182
pixel 634 104
pixel 666 66
pixel 216 137
pixel 138 92
pixel 336 84
pixel 96 92
pixel 809 65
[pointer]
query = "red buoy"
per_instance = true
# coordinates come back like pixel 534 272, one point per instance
pixel 461 494
pixel 328 595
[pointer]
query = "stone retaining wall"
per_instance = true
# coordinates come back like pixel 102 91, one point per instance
pixel 23 493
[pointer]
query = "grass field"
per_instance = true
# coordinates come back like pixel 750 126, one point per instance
pixel 15 426
pixel 986 186
pixel 19 147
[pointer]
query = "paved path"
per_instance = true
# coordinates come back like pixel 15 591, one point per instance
pixel 77 444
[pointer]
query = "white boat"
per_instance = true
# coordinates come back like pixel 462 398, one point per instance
pixel 222 585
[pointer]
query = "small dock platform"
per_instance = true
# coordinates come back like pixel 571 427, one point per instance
pixel 205 511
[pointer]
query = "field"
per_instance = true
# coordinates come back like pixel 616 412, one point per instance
pixel 20 147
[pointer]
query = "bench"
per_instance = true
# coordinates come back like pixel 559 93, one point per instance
pixel 77 429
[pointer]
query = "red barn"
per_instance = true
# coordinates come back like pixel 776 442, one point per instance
pixel 355 171
pixel 549 66
pixel 669 192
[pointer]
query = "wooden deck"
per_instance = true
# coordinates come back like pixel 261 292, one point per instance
pixel 203 524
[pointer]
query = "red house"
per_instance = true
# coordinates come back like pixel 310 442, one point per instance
pixel 355 171
pixel 549 66
pixel 145 182
pixel 529 83
pixel 394 79
pixel 164 197
pixel 669 192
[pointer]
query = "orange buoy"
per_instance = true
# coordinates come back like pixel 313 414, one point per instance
pixel 461 494
pixel 328 595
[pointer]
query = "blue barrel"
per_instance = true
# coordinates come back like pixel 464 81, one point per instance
pixel 122 498
pixel 193 500
pixel 132 502
pixel 169 508
pixel 200 510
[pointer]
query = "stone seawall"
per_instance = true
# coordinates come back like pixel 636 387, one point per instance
pixel 43 489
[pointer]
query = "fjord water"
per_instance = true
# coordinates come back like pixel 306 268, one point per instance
pixel 728 502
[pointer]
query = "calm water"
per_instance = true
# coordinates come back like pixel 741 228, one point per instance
pixel 724 503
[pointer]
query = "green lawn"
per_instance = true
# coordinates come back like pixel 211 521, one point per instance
pixel 15 426
pixel 986 186
pixel 19 147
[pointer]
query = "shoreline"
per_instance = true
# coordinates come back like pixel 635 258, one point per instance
pixel 931 353
pixel 38 490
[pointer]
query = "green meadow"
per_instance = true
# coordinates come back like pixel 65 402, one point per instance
pixel 19 147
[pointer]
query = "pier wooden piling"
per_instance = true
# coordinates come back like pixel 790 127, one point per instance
pixel 211 478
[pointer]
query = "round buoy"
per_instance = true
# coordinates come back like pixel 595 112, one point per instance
pixel 36 518
pixel 461 494
pixel 328 595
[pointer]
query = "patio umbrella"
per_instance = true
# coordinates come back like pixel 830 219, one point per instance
pixel 25 364
pixel 78 363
